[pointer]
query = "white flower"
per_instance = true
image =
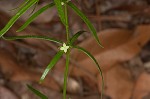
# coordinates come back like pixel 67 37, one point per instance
pixel 64 48
pixel 62 3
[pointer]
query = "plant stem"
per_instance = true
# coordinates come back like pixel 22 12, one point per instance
pixel 68 53
pixel 66 74
pixel 67 26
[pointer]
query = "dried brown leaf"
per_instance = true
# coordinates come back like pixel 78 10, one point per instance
pixel 15 72
pixel 142 88
pixel 118 83
pixel 120 46
pixel 7 94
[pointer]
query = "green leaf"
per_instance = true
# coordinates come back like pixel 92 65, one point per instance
pixel 17 16
pixel 38 93
pixel 95 61
pixel 86 20
pixel 75 37
pixel 60 10
pixel 51 65
pixel 32 36
pixel 32 18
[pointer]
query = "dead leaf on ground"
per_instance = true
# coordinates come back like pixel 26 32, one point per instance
pixel 6 93
pixel 15 72
pixel 118 83
pixel 120 46
pixel 142 88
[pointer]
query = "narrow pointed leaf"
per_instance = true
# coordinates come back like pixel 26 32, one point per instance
pixel 32 36
pixel 51 65
pixel 95 61
pixel 86 20
pixel 38 93
pixel 32 18
pixel 60 10
pixel 17 16
pixel 75 37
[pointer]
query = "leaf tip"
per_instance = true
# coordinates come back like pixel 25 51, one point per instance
pixel 19 30
pixel 101 45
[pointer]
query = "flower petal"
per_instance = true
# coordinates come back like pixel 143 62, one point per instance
pixel 64 44
pixel 62 48
pixel 66 47
pixel 65 50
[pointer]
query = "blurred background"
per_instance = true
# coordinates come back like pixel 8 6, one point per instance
pixel 123 27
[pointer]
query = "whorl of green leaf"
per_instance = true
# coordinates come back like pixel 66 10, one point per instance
pixel 95 61
pixel 32 36
pixel 17 16
pixel 60 10
pixel 32 18
pixel 51 65
pixel 38 93
pixel 86 20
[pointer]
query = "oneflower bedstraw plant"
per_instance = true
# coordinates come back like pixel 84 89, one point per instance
pixel 65 48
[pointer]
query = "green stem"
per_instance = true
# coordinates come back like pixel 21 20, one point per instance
pixel 66 74
pixel 67 26
pixel 68 53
